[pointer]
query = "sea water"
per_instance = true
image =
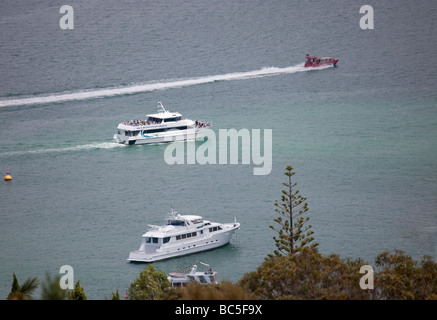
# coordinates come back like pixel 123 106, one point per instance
pixel 361 137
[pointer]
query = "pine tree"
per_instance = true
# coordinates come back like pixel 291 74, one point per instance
pixel 77 293
pixel 15 285
pixel 293 231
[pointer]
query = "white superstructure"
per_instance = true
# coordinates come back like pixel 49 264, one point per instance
pixel 164 126
pixel 181 278
pixel 181 235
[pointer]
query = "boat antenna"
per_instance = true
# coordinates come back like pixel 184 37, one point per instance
pixel 173 212
pixel 160 106
pixel 205 264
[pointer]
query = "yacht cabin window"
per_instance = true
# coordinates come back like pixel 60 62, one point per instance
pixel 187 235
pixel 170 222
pixel 215 229
pixel 157 240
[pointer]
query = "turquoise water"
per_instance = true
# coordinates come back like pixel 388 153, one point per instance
pixel 361 137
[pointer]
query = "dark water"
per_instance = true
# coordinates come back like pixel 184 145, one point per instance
pixel 361 137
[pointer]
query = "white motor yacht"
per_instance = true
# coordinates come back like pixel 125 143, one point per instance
pixel 181 278
pixel 161 127
pixel 181 235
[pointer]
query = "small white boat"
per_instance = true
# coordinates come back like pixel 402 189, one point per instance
pixel 181 278
pixel 181 235
pixel 161 127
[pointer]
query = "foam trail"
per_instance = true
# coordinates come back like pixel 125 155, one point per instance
pixel 98 145
pixel 152 86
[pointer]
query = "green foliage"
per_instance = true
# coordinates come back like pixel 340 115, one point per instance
pixel 307 275
pixel 51 289
pixel 226 290
pixel 115 296
pixel 293 231
pixel 23 292
pixel 77 293
pixel 15 285
pixel 150 285
pixel 402 278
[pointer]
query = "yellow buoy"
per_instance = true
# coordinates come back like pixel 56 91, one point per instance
pixel 8 175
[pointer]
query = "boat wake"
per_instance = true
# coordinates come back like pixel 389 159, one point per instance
pixel 101 145
pixel 152 86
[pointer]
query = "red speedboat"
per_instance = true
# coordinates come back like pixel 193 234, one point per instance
pixel 314 61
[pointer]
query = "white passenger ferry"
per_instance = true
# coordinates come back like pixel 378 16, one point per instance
pixel 181 278
pixel 164 126
pixel 181 235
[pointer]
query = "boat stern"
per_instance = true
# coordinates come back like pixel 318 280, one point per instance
pixel 126 135
pixel 123 140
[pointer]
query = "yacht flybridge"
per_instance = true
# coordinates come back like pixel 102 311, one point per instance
pixel 164 126
pixel 181 235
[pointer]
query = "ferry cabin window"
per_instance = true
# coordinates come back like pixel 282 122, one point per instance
pixel 131 133
pixel 153 120
pixel 172 119
pixel 148 239
pixel 166 239
pixel 215 229
pixel 164 129
pixel 154 130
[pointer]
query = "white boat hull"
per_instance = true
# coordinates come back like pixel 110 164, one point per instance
pixel 181 135
pixel 207 242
